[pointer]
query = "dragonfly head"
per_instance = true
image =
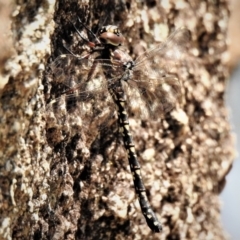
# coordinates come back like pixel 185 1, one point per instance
pixel 111 35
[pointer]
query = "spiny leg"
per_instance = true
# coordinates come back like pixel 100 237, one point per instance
pixel 147 211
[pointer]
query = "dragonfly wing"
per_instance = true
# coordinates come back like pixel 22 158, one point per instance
pixel 155 83
pixel 168 54
pixel 153 93
pixel 83 98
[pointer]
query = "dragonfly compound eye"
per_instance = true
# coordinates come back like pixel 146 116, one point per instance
pixel 111 35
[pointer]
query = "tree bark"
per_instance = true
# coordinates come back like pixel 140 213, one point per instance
pixel 72 183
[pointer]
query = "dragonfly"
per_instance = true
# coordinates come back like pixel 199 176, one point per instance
pixel 143 86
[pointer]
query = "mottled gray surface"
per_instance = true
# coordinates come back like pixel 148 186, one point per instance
pixel 231 193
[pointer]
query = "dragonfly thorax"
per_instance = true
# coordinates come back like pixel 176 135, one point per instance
pixel 122 64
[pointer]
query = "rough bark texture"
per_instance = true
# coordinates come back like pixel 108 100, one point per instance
pixel 66 184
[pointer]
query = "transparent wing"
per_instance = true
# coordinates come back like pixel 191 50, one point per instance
pixel 83 93
pixel 152 96
pixel 171 49
pixel 155 87
pixel 83 74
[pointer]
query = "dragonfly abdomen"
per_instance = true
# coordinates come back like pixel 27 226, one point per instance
pixel 120 101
